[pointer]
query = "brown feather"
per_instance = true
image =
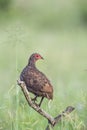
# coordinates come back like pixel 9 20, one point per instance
pixel 36 81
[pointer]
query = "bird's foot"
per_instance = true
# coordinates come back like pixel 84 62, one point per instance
pixel 34 99
pixel 37 105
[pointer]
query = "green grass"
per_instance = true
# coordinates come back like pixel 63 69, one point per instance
pixel 65 62
pixel 57 34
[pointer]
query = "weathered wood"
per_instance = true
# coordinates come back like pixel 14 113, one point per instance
pixel 51 120
pixel 58 118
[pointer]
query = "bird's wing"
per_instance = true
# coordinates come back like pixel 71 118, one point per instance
pixel 41 83
pixel 37 82
pixel 47 88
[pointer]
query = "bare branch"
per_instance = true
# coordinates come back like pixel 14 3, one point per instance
pixel 68 110
pixel 52 121
pixel 33 105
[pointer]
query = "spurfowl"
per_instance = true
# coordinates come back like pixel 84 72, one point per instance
pixel 36 82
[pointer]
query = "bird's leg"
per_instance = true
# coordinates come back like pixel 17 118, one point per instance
pixel 34 99
pixel 41 101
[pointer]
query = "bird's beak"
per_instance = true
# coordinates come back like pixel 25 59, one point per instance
pixel 42 58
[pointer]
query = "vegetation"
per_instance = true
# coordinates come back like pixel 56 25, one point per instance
pixel 58 31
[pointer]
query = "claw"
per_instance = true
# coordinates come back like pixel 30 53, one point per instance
pixel 34 99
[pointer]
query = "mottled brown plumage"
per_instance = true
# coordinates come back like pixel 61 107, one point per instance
pixel 36 82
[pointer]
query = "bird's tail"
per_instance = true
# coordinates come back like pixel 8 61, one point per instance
pixel 50 95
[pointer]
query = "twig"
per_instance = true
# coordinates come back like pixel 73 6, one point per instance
pixel 68 110
pixel 33 105
pixel 51 121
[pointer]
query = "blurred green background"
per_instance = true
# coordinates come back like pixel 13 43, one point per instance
pixel 58 31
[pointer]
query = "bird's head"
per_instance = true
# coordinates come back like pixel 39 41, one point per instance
pixel 34 57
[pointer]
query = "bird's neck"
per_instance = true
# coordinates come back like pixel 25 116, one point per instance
pixel 32 63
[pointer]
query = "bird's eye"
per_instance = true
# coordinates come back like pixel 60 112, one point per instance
pixel 37 56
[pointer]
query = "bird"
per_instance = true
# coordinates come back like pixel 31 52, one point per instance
pixel 36 82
